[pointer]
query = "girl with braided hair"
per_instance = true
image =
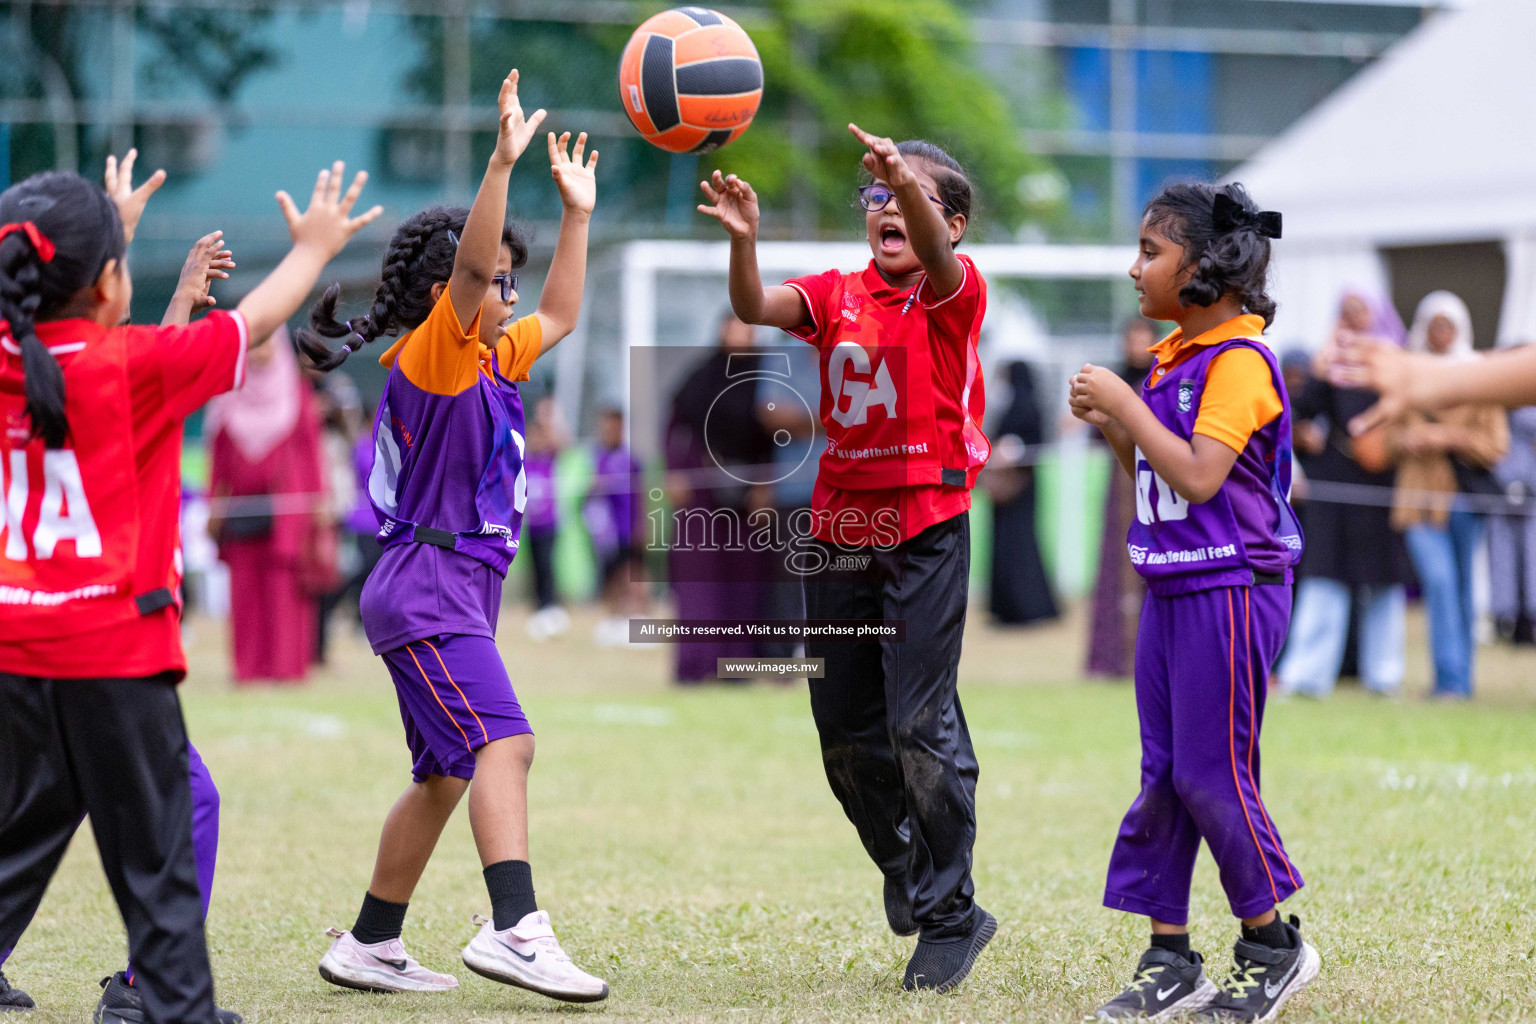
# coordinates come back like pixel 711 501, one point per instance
pixel 1208 446
pixel 90 452
pixel 448 488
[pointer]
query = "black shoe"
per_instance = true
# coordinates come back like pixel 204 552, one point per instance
pixel 1263 978
pixel 943 965
pixel 13 998
pixel 120 1004
pixel 898 906
pixel 1166 985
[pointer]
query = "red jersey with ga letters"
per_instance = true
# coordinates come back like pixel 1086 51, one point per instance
pixel 902 399
pixel 90 558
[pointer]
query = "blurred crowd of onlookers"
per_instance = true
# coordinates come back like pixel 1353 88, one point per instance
pixel 1434 507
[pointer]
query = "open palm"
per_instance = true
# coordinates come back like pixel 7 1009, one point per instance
pixel 516 131
pixel 734 204
pixel 577 181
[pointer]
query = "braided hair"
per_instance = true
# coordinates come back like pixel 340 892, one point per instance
pixel 1225 238
pixel 72 230
pixel 420 255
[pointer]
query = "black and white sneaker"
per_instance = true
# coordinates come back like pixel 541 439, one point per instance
pixel 898 906
pixel 1263 978
pixel 13 998
pixel 120 1004
pixel 1165 986
pixel 943 965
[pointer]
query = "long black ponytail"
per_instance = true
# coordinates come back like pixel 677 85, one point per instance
pixel 60 232
pixel 420 254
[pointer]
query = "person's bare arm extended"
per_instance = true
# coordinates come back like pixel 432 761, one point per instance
pixel 475 263
pixel 1194 468
pixel 319 233
pixel 733 203
pixel 927 231
pixel 208 261
pixel 1408 380
pixel 560 301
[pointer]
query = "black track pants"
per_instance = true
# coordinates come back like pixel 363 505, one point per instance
pixel 115 749
pixel 893 736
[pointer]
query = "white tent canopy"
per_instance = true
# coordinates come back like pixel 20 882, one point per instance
pixel 1434 143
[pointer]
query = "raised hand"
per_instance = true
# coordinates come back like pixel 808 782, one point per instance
pixel 130 201
pixel 576 181
pixel 734 205
pixel 515 132
pixel 208 261
pixel 326 225
pixel 883 160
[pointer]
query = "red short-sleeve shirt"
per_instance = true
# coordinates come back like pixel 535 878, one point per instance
pixel 172 372
pixel 948 330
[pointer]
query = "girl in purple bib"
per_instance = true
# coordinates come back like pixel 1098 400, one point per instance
pixel 449 489
pixel 1208 445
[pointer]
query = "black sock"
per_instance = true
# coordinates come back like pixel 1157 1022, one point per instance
pixel 510 883
pixel 1172 943
pixel 1274 935
pixel 379 920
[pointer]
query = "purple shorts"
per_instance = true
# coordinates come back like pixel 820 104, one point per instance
pixel 455 697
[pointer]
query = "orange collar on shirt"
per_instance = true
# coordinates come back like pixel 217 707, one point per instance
pixel 1173 350
pixel 387 360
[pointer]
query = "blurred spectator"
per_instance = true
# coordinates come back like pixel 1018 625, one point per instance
pixel 1021 590
pixel 546 439
pixel 1442 457
pixel 1512 534
pixel 709 582
pixel 1115 611
pixel 1351 553
pixel 266 480
pixel 612 517
pixel 341 418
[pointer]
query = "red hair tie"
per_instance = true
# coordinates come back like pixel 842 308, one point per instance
pixel 45 249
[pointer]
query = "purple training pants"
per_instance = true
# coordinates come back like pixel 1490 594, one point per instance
pixel 1202 663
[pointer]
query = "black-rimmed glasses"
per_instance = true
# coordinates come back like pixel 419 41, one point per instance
pixel 875 198
pixel 508 282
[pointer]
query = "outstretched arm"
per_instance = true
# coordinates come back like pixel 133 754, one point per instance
pixel 733 203
pixel 319 233
pixel 1195 468
pixel 207 262
pixel 475 264
pixel 1416 381
pixel 927 230
pixel 560 302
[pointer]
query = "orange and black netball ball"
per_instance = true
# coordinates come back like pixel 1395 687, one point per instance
pixel 690 80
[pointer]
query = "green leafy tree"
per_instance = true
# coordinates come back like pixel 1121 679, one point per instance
pixel 902 70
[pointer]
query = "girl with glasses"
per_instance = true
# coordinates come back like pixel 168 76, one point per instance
pixel 449 490
pixel 901 401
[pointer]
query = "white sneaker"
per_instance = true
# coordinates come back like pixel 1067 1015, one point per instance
pixel 381 967
pixel 529 956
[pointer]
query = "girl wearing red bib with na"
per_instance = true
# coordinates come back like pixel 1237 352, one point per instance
pixel 90 654
pixel 901 400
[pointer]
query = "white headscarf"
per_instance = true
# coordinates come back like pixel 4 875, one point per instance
pixel 1450 306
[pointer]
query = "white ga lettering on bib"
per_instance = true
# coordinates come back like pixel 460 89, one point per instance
pixel 64 514
pixel 1156 501
pixel 861 394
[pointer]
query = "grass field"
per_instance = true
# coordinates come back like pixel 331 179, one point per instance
pixel 689 850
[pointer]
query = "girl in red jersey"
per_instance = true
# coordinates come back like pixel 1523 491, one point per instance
pixel 901 400
pixel 90 454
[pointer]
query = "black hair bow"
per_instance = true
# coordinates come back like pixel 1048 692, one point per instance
pixel 1227 214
